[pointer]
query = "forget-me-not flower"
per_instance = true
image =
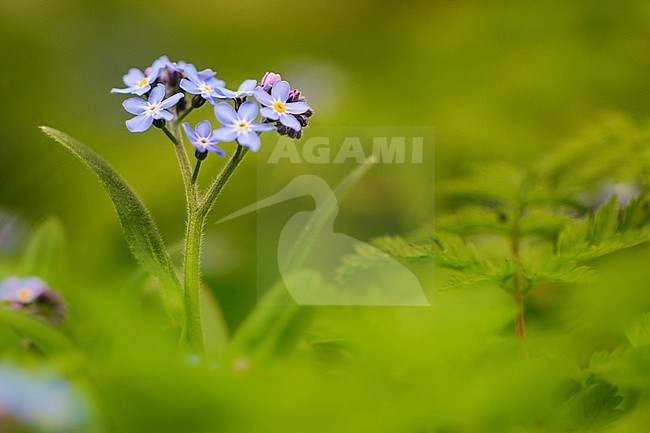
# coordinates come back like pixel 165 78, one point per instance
pixel 39 401
pixel 22 290
pixel 201 83
pixel 276 106
pixel 245 89
pixel 202 138
pixel 240 125
pixel 148 111
pixel 137 83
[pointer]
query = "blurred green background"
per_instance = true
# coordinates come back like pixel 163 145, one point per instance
pixel 504 80
pixel 498 80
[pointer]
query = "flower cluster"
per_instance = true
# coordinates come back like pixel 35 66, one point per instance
pixel 32 295
pixel 167 91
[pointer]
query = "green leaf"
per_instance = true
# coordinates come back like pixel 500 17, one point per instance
pixel 44 336
pixel 45 252
pixel 605 222
pixel 484 273
pixel 491 181
pixel 142 235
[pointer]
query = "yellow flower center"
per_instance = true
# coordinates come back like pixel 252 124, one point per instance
pixel 279 107
pixel 242 126
pixel 24 294
pixel 205 88
pixel 144 82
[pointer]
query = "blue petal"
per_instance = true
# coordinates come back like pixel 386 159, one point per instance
pixel 216 83
pixel 224 93
pixel 165 115
pixel 156 69
pixel 296 107
pixel 203 129
pixel 225 134
pixel 262 127
pixel 206 74
pixel 248 111
pixel 290 121
pixel 263 97
pixel 216 149
pixel 128 90
pixel 247 85
pixel 172 100
pixel 269 113
pixel 139 123
pixel 141 90
pixel 133 77
pixel 191 73
pixel 190 87
pixel 191 135
pixel 135 105
pixel 225 114
pixel 250 140
pixel 157 94
pixel 280 91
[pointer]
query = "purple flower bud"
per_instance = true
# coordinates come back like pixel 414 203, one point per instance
pixel 269 79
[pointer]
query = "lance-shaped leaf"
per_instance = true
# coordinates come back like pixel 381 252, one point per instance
pixel 142 235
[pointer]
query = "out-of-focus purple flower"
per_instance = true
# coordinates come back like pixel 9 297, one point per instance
pixel 240 125
pixel 277 107
pixel 137 83
pixel 39 401
pixel 202 138
pixel 245 89
pixel 33 296
pixel 22 290
pixel 148 111
pixel 269 79
pixel 201 83
pixel 625 192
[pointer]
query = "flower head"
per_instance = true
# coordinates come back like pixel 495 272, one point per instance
pixel 245 89
pixel 201 83
pixel 148 111
pixel 269 79
pixel 240 125
pixel 202 138
pixel 22 291
pixel 32 295
pixel 277 107
pixel 137 83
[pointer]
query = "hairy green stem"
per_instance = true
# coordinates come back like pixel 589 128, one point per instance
pixel 192 280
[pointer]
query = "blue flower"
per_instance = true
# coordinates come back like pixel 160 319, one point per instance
pixel 22 290
pixel 276 106
pixel 201 83
pixel 39 401
pixel 202 138
pixel 137 83
pixel 147 112
pixel 245 89
pixel 240 125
